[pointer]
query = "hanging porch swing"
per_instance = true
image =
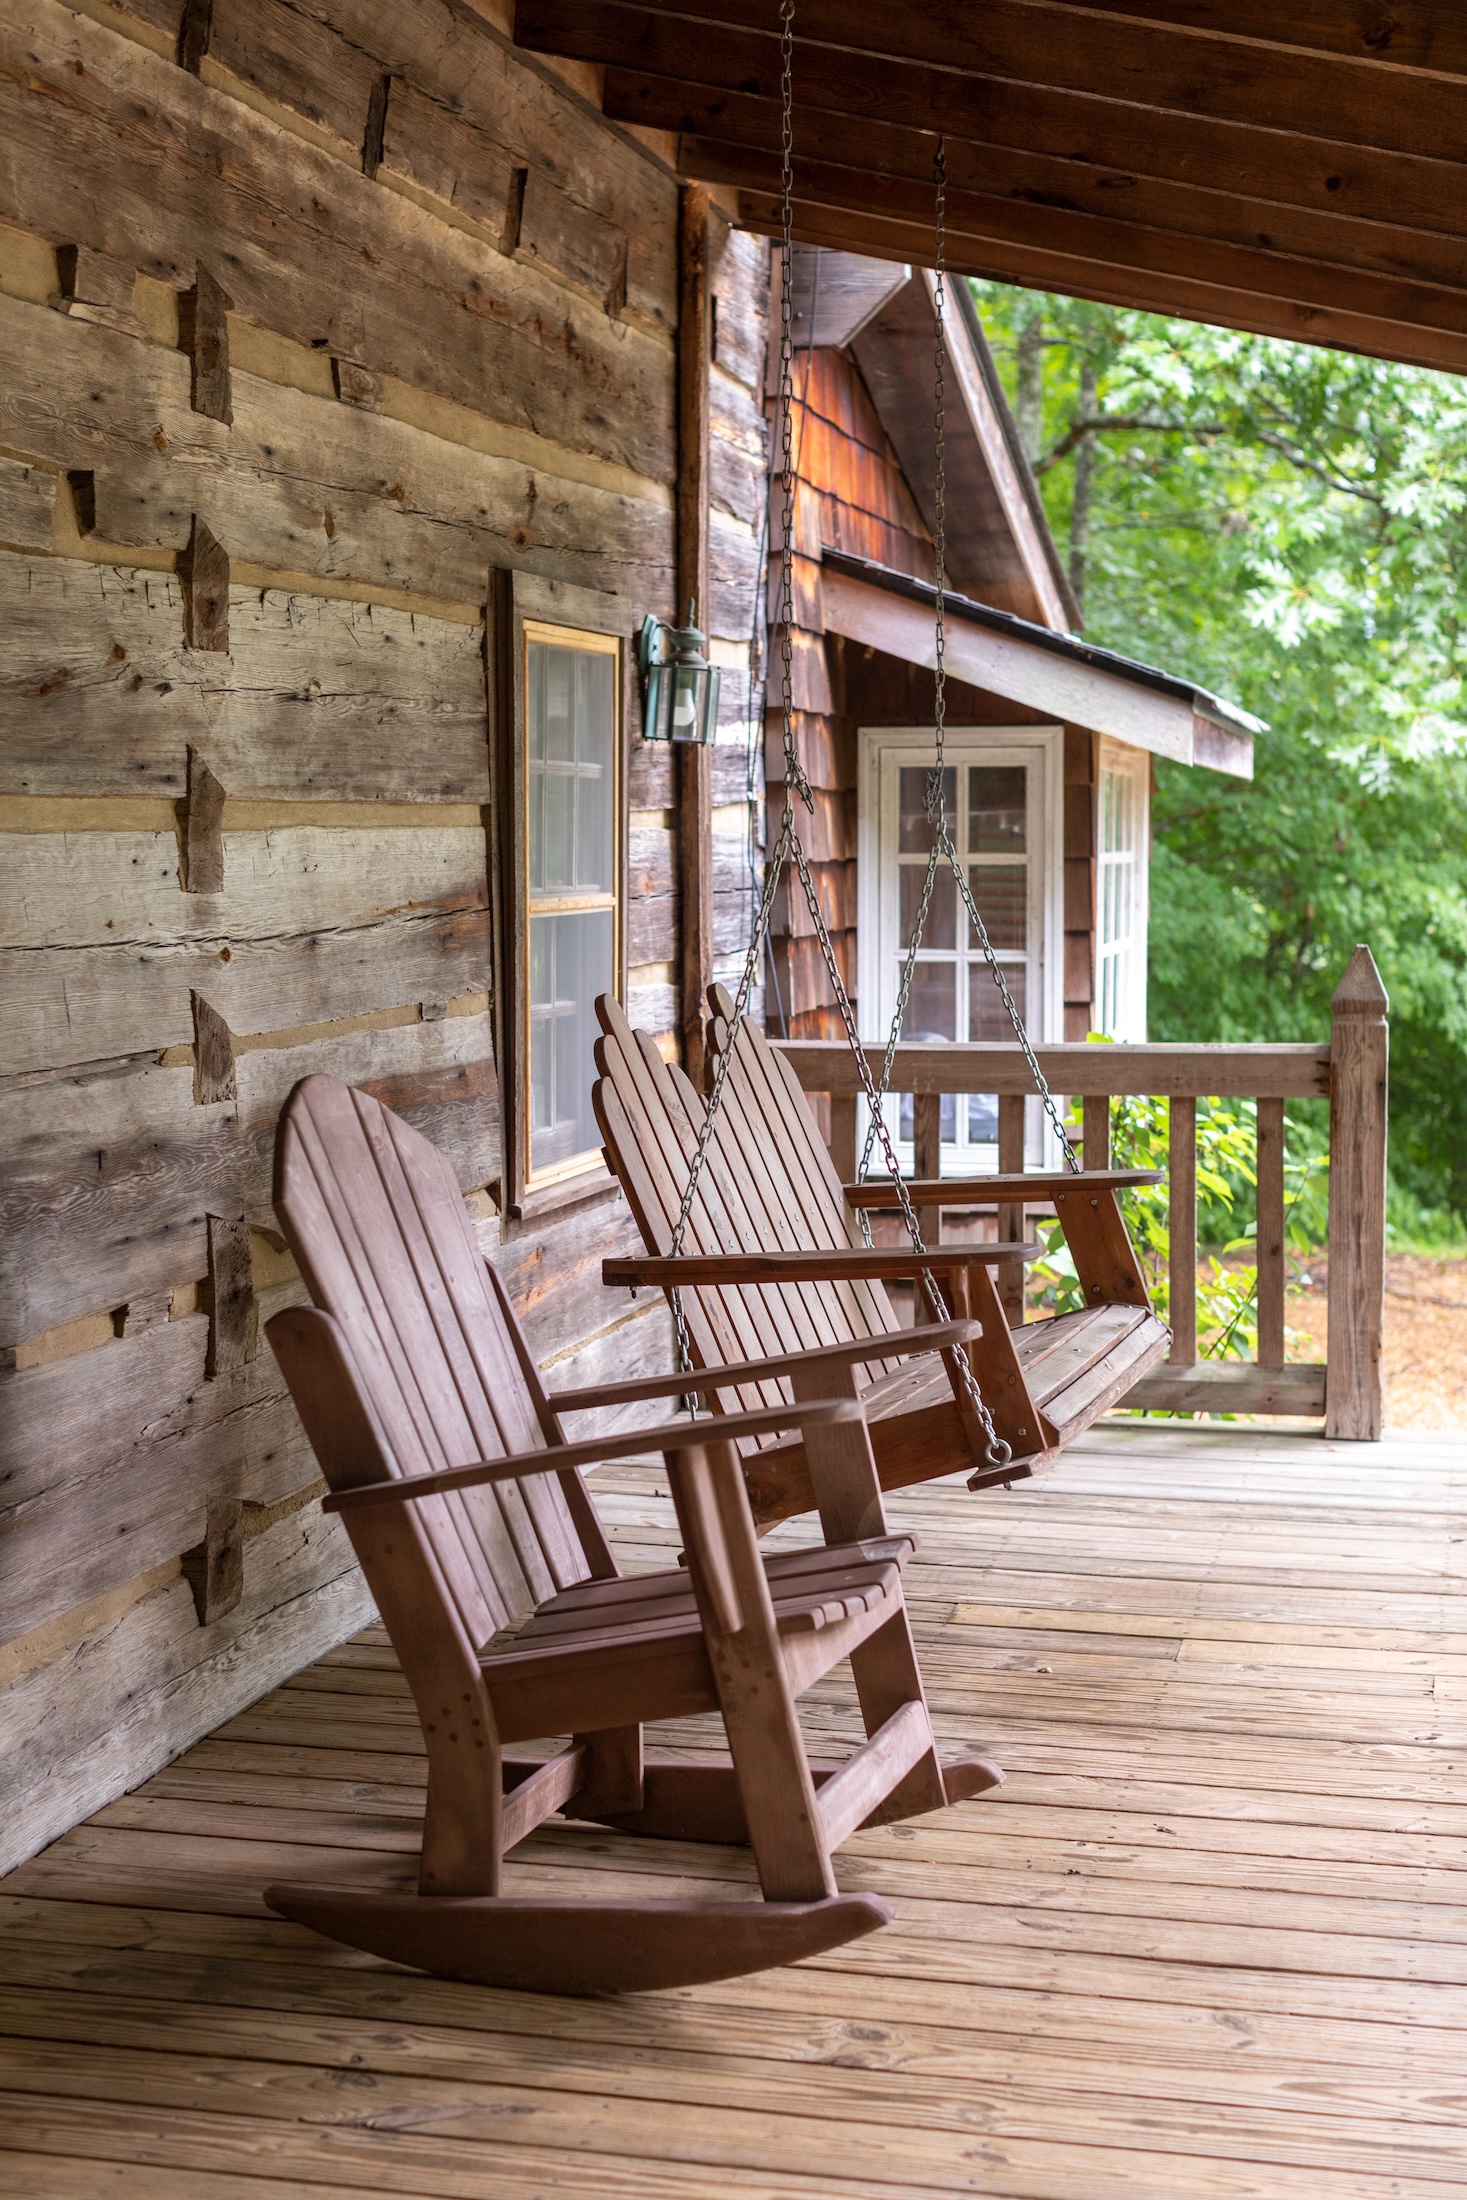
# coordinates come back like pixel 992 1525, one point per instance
pixel 759 1246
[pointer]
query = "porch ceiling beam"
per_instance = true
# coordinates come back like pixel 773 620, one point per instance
pixel 1311 171
pixel 1118 282
pixel 1207 191
pixel 1107 171
pixel 1414 34
pixel 1435 314
pixel 1259 80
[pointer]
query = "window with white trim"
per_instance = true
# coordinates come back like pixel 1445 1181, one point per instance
pixel 1122 854
pixel 571 686
pixel 1001 795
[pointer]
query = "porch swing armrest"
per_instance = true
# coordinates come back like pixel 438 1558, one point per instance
pixel 627 1444
pixel 900 1345
pixel 839 1264
pixel 962 1191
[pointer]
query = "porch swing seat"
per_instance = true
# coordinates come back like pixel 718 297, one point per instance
pixel 481 1544
pixel 772 1258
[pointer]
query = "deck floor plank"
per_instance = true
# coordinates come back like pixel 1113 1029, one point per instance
pixel 1210 1943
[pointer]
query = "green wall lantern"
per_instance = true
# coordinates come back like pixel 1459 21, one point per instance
pixel 679 686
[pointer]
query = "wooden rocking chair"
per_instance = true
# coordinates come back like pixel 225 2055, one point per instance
pixel 773 1260
pixel 470 1518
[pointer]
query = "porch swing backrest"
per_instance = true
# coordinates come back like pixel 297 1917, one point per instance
pixel 379 1230
pixel 766 1184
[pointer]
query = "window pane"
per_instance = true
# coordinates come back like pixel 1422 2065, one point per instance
pixel 983 1118
pixel 570 742
pixel 932 1003
pixel 988 1019
pixel 570 963
pixel 1001 891
pixel 940 929
pixel 916 833
pixel 947 1129
pixel 998 804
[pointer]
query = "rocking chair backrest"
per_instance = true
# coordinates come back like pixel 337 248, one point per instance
pixel 378 1227
pixel 766 1183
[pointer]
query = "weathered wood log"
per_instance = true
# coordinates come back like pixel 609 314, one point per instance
pixel 125 1698
pixel 109 1179
pixel 303 484
pixel 150 1448
pixel 27 500
pixel 483 98
pixel 297 61
pixel 313 924
pixel 341 701
pixel 123 156
pixel 438 1076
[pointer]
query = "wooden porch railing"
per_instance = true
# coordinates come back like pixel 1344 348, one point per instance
pixel 1350 1069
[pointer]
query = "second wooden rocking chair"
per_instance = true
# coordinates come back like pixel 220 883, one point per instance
pixel 503 1601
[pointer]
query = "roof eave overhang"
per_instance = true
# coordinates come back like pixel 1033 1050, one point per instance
pixel 1058 675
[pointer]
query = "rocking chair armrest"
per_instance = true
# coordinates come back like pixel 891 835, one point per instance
pixel 668 1436
pixel 900 1345
pixel 838 1264
pixel 881 1193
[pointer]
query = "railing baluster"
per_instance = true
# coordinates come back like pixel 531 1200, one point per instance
pixel 927 1155
pixel 1270 1245
pixel 1095 1130
pixel 1011 1218
pixel 1182 1227
pixel 843 1135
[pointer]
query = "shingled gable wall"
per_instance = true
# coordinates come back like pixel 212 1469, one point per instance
pixel 311 313
pixel 851 493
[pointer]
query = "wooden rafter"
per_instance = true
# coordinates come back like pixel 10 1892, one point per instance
pixel 1199 157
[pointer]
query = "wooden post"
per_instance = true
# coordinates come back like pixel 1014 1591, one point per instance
pixel 1359 1048
pixel 1011 1217
pixel 1269 1245
pixel 927 1159
pixel 1182 1227
pixel 843 1135
pixel 1095 1132
pixel 693 769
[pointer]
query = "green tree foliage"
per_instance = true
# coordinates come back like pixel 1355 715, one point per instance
pixel 1288 526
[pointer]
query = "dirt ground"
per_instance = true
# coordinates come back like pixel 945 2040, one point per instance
pixel 1425 1339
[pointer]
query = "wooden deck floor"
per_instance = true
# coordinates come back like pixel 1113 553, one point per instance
pixel 1212 1939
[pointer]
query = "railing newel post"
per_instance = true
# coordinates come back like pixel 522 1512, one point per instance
pixel 1359 1060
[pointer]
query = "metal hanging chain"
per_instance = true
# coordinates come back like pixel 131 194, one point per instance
pixel 942 841
pixel 789 848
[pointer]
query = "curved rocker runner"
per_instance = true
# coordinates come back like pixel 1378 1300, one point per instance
pixel 482 1547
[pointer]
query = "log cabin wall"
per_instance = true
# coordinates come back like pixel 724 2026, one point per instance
pixel 312 312
pixel 852 494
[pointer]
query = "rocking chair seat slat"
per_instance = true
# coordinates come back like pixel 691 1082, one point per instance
pixel 601 1663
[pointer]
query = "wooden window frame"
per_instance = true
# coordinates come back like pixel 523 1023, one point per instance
pixel 1118 760
pixel 523 608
